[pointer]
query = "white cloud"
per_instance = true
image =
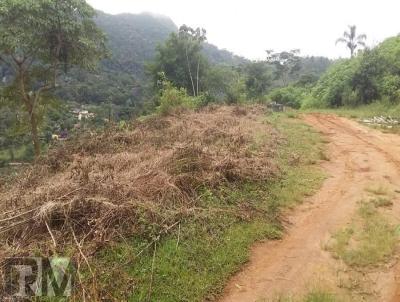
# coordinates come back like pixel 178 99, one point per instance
pixel 248 27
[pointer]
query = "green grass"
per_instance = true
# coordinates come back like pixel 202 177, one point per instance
pixel 315 295
pixel 20 153
pixel 320 296
pixel 196 259
pixel 368 111
pixel 365 111
pixel 370 241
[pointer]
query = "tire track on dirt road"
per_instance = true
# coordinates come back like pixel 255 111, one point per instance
pixel 359 157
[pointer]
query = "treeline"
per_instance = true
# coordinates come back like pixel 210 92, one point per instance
pixel 182 71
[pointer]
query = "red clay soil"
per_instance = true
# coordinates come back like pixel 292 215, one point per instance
pixel 359 157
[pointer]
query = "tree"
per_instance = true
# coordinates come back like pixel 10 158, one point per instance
pixel 39 40
pixel 193 38
pixel 181 60
pixel 352 40
pixel 258 79
pixel 286 63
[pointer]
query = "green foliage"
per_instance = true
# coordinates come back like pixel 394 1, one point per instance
pixel 173 98
pixel 258 79
pixel 181 60
pixel 372 75
pixel 329 91
pixel 49 32
pixel 286 63
pixel 291 96
pixel 225 84
pixel 39 40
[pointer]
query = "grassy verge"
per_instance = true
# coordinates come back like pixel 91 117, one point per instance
pixel 369 111
pixel 365 111
pixel 195 260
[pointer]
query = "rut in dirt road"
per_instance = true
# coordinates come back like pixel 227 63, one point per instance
pixel 359 158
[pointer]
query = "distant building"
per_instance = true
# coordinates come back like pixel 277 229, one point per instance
pixel 83 114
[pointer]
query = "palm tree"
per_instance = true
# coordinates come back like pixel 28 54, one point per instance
pixel 351 39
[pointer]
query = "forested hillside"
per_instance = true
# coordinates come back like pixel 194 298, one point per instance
pixel 132 41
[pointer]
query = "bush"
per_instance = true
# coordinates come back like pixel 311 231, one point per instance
pixel 291 96
pixel 330 89
pixel 311 102
pixel 173 98
pixel 389 86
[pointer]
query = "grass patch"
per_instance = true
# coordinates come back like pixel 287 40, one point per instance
pixel 315 295
pixel 365 111
pixel 382 202
pixel 379 190
pixel 195 260
pixel 368 111
pixel 371 239
pixel 320 296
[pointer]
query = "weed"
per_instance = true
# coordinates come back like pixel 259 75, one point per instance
pixel 292 114
pixel 382 202
pixel 377 190
pixel 315 295
pixel 370 241
pixel 320 296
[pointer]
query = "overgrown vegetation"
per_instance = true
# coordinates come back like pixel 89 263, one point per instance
pixel 370 77
pixel 172 203
pixel 194 261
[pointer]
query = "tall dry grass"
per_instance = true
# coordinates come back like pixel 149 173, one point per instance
pixel 136 181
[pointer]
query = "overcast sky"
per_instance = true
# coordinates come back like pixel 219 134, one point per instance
pixel 249 27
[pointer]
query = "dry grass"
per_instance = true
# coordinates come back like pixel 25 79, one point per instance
pixel 138 181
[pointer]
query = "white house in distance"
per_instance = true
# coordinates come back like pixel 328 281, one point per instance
pixel 83 114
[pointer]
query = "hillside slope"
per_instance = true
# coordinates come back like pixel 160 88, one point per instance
pixel 132 39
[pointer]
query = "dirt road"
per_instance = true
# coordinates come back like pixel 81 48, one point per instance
pixel 360 157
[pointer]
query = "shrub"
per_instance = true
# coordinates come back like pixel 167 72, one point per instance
pixel 389 86
pixel 173 98
pixel 291 96
pixel 332 85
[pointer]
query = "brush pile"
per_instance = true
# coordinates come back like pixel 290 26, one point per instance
pixel 135 181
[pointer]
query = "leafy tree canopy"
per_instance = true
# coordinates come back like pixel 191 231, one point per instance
pixel 39 39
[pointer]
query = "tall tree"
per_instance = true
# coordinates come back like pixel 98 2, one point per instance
pixel 258 78
pixel 352 40
pixel 40 39
pixel 181 60
pixel 286 63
